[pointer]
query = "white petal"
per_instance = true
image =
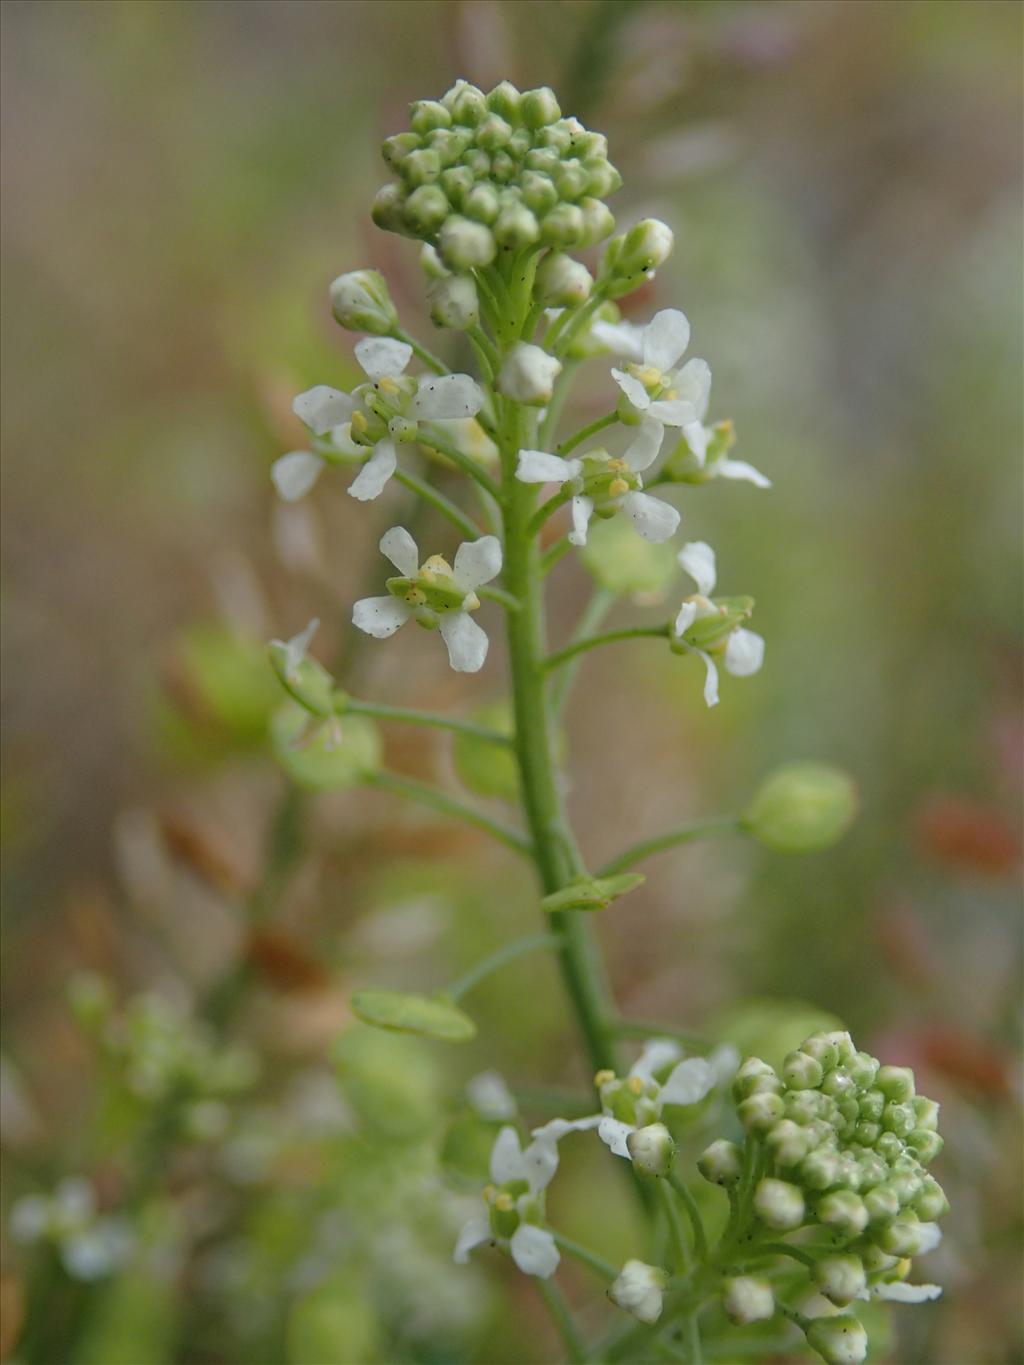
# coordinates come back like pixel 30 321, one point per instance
pixel 697 439
pixel 582 511
pixel 477 561
pixel 322 407
pixel 490 1096
pixel 558 1128
pixel 507 1157
pixel 685 619
pixel 666 337
pixel 643 449
pixel 380 616
pixel 725 1060
pixel 383 356
pixel 341 440
pixel 710 680
pixel 899 1292
pixel 372 479
pixel 673 412
pixel 447 397
pixel 689 1082
pixel 693 385
pixel 613 1133
pixel 698 559
pixel 931 1236
pixel 295 648
pixel 541 1161
pixel 537 466
pixel 653 519
pixel 473 1233
pixel 739 469
pixel 744 653
pixel 657 1054
pixel 467 643
pixel 534 1251
pixel 633 389
pixel 621 338
pixel 295 474
pixel 399 546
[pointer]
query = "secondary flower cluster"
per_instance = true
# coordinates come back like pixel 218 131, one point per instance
pixel 481 173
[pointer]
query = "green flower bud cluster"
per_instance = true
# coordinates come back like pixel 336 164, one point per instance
pixel 481 173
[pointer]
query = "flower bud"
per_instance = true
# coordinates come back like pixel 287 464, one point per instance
pixel 563 226
pixel 747 1299
pixel 906 1236
pixel 801 1071
pixel 802 807
pixel 562 282
pixel 882 1203
pixel 820 1169
pixel 760 1112
pixel 721 1163
pixel 505 100
pixel 896 1083
pixel 931 1201
pixel 539 107
pixel 844 1212
pixel 639 1289
pixel 360 301
pixel 633 256
pixel 840 1340
pixel 516 227
pixel 778 1204
pixel 652 1149
pixel 755 1077
pixel 528 374
pixel 787 1142
pixel 840 1278
pixel 454 303
pixel 465 245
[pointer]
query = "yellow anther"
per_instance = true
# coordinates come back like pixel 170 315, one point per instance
pixel 902 1268
pixel 436 566
pixel 649 376
pixel 359 423
pixel 504 1203
pixel 636 1085
pixel 489 1192
pixel 470 602
pixel 388 385
pixel 603 1077
pixel 617 487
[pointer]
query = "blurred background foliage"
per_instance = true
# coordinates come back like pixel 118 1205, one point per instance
pixel 182 181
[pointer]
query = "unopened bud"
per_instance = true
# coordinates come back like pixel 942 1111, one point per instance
pixel 760 1112
pixel 755 1077
pixel 635 255
pixel 802 807
pixel 639 1289
pixel 360 301
pixel 652 1149
pixel 801 1071
pixel 905 1236
pixel 896 1083
pixel 454 303
pixel 747 1299
pixel 844 1212
pixel 840 1340
pixel 778 1204
pixel 840 1278
pixel 562 282
pixel 788 1142
pixel 721 1163
pixel 465 245
pixel 539 107
pixel 931 1201
pixel 528 374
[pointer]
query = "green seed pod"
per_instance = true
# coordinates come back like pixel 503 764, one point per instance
pixel 563 226
pixel 747 1299
pixel 779 1204
pixel 539 107
pixel 896 1083
pixel 801 1071
pixel 465 245
pixel 721 1163
pixel 505 100
pixel 843 1212
pixel 427 115
pixel 516 227
pixel 421 167
pixel 840 1340
pixel 426 209
pixel 841 1278
pixel 802 807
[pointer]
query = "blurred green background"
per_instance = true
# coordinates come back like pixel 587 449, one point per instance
pixel 182 182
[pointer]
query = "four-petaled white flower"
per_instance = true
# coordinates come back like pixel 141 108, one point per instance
pixel 435 594
pixel 675 398
pixel 397 403
pixel 515 1199
pixel 605 484
pixel 638 1099
pixel 743 649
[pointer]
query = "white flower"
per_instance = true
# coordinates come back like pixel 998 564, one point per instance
pixel 295 648
pixel 395 404
pixel 601 482
pixel 435 594
pixel 490 1096
pixel 528 374
pixel 683 394
pixel 514 1219
pixel 644 1098
pixel 744 649
pixel 639 1289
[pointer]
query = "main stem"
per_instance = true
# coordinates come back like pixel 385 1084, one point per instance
pixel 555 851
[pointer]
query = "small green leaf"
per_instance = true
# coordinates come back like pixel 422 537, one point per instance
pixel 591 893
pixel 430 1016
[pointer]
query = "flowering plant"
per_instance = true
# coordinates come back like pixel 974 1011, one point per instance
pixel 827 1196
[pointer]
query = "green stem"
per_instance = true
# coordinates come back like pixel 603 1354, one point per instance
pixel 432 719
pixel 675 1228
pixel 485 352
pixel 702 829
pixel 448 805
pixel 560 393
pixel 429 359
pixel 507 953
pixel 700 1239
pixel 555 861
pixel 569 334
pixel 584 433
pixel 437 500
pixel 549 508
pixel 784 1249
pixel 551 556
pixel 601 602
pixel 506 599
pixel 587 1257
pixel 465 462
pixel 609 637
pixel 561 1316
